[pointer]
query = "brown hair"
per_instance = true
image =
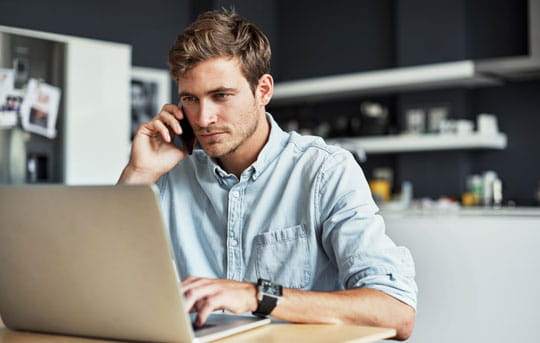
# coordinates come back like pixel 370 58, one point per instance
pixel 219 34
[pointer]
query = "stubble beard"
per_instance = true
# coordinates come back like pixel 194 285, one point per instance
pixel 244 135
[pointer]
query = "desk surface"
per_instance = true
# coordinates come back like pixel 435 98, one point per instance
pixel 297 333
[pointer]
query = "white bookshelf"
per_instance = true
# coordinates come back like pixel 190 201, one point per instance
pixel 426 142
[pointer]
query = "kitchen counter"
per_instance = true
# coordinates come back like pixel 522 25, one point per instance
pixel 503 211
pixel 476 270
pixel 467 211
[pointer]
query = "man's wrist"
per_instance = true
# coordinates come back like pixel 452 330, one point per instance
pixel 133 175
pixel 254 299
pixel 269 295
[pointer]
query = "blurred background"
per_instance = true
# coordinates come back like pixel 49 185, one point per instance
pixel 438 100
pixel 313 39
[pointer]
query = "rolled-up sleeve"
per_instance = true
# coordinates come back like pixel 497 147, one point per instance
pixel 353 234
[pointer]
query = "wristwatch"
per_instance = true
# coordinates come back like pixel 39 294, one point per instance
pixel 268 295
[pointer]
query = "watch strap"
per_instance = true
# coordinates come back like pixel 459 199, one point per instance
pixel 266 305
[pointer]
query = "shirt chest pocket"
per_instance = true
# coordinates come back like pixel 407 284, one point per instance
pixel 283 256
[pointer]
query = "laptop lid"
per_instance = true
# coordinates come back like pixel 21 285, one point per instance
pixel 91 261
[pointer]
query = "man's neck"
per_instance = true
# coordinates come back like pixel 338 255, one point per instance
pixel 236 162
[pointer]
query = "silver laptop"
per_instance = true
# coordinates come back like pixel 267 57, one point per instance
pixel 95 261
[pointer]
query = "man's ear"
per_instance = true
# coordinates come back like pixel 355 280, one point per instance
pixel 265 89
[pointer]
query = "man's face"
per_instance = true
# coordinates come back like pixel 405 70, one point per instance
pixel 220 105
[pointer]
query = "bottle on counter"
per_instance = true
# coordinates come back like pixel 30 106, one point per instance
pixel 473 195
pixel 485 189
pixel 488 178
pixel 497 193
pixel 381 184
pixel 476 188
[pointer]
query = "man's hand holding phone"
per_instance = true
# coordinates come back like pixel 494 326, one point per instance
pixel 153 152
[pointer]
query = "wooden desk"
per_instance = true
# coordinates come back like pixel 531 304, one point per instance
pixel 273 333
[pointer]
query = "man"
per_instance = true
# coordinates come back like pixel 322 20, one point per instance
pixel 259 203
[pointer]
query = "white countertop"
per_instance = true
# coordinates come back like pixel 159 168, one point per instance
pixel 467 211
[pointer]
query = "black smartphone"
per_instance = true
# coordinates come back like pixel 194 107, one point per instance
pixel 188 136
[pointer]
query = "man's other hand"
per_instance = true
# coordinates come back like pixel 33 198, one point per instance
pixel 204 296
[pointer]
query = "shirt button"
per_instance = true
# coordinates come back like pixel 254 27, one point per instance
pixel 235 194
pixel 234 242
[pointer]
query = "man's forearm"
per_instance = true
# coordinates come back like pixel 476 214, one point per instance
pixel 361 306
pixel 132 176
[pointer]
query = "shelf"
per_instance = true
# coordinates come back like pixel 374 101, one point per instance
pixel 427 142
pixel 431 76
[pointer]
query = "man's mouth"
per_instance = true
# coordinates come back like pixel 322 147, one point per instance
pixel 211 135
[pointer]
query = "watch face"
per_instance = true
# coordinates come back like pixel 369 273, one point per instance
pixel 271 288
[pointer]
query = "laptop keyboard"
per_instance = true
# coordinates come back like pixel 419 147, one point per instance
pixel 205 326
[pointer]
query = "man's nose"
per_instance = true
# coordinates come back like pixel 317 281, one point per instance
pixel 207 114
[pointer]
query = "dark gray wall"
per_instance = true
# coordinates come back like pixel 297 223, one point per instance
pixel 430 31
pixel 494 30
pixel 430 34
pixel 149 26
pixel 316 38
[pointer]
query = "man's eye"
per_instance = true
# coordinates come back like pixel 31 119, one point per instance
pixel 221 95
pixel 188 99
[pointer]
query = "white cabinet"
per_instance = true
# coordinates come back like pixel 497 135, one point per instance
pixel 97 111
pixel 96 98
pixel 477 274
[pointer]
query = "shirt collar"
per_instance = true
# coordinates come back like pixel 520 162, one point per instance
pixel 277 140
pixel 273 147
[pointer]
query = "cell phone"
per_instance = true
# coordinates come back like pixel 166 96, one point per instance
pixel 188 136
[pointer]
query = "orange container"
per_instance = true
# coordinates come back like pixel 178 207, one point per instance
pixel 380 189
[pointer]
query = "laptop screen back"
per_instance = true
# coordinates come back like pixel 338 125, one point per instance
pixel 89 260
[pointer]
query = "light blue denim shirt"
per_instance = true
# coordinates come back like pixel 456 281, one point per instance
pixel 301 215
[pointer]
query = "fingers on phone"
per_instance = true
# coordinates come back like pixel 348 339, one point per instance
pixel 166 123
pixel 175 110
pixel 163 130
pixel 171 121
